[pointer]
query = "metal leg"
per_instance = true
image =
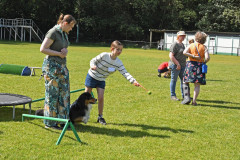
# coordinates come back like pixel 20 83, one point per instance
pixel 24 106
pixel 30 109
pixel 67 123
pixel 75 132
pixel 13 112
pixel 62 134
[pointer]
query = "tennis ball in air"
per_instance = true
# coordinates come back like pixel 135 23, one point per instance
pixel 149 92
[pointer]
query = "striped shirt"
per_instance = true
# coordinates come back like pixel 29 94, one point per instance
pixel 106 66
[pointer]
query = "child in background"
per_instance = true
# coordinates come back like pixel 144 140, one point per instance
pixel 190 41
pixel 164 68
pixel 100 68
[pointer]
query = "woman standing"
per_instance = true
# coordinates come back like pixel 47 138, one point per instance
pixel 197 54
pixel 56 75
pixel 179 63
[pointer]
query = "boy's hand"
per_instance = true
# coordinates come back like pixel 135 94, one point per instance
pixel 94 67
pixel 135 83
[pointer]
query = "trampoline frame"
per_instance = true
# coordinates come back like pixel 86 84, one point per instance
pixel 24 100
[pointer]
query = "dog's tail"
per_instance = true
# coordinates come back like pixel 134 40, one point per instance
pixel 71 116
pixel 39 112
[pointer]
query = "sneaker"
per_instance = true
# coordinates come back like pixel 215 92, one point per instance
pixel 194 104
pixel 159 75
pixel 174 98
pixel 102 121
pixel 53 127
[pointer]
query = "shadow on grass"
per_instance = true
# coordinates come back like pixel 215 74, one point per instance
pixel 58 132
pixel 6 113
pixel 129 133
pixel 109 132
pixel 147 127
pixel 219 104
pixel 1 132
pixel 215 80
pixel 116 132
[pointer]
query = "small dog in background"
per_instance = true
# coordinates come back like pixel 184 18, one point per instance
pixel 79 110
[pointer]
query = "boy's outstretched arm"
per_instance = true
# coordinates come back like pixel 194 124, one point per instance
pixel 135 83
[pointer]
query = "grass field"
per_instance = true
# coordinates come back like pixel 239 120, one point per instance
pixel 139 126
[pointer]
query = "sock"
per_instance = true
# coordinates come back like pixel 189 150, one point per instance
pixel 100 116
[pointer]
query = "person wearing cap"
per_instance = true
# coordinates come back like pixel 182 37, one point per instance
pixel 178 64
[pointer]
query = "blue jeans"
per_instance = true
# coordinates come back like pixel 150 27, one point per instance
pixel 174 75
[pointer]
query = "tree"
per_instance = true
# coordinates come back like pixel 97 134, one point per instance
pixel 101 20
pixel 219 15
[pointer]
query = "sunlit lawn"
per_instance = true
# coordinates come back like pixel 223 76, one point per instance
pixel 140 126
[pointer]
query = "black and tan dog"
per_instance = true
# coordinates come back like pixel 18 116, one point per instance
pixel 79 110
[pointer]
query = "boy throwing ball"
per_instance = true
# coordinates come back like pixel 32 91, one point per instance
pixel 100 68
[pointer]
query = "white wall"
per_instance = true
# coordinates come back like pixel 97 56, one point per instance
pixel 220 45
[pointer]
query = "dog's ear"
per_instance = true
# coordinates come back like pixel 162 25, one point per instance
pixel 84 96
pixel 87 95
pixel 81 99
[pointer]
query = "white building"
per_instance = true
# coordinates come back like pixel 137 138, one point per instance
pixel 227 43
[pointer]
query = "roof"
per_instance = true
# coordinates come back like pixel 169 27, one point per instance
pixel 237 34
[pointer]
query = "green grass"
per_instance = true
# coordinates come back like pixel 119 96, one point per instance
pixel 140 126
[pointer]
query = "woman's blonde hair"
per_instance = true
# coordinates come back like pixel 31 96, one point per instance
pixel 201 37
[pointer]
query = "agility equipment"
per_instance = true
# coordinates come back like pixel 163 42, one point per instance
pixel 15 69
pixel 7 99
pixel 67 123
pixel 82 89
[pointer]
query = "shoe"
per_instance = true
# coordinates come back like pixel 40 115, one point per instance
pixel 194 104
pixel 102 121
pixel 53 127
pixel 159 75
pixel 174 98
